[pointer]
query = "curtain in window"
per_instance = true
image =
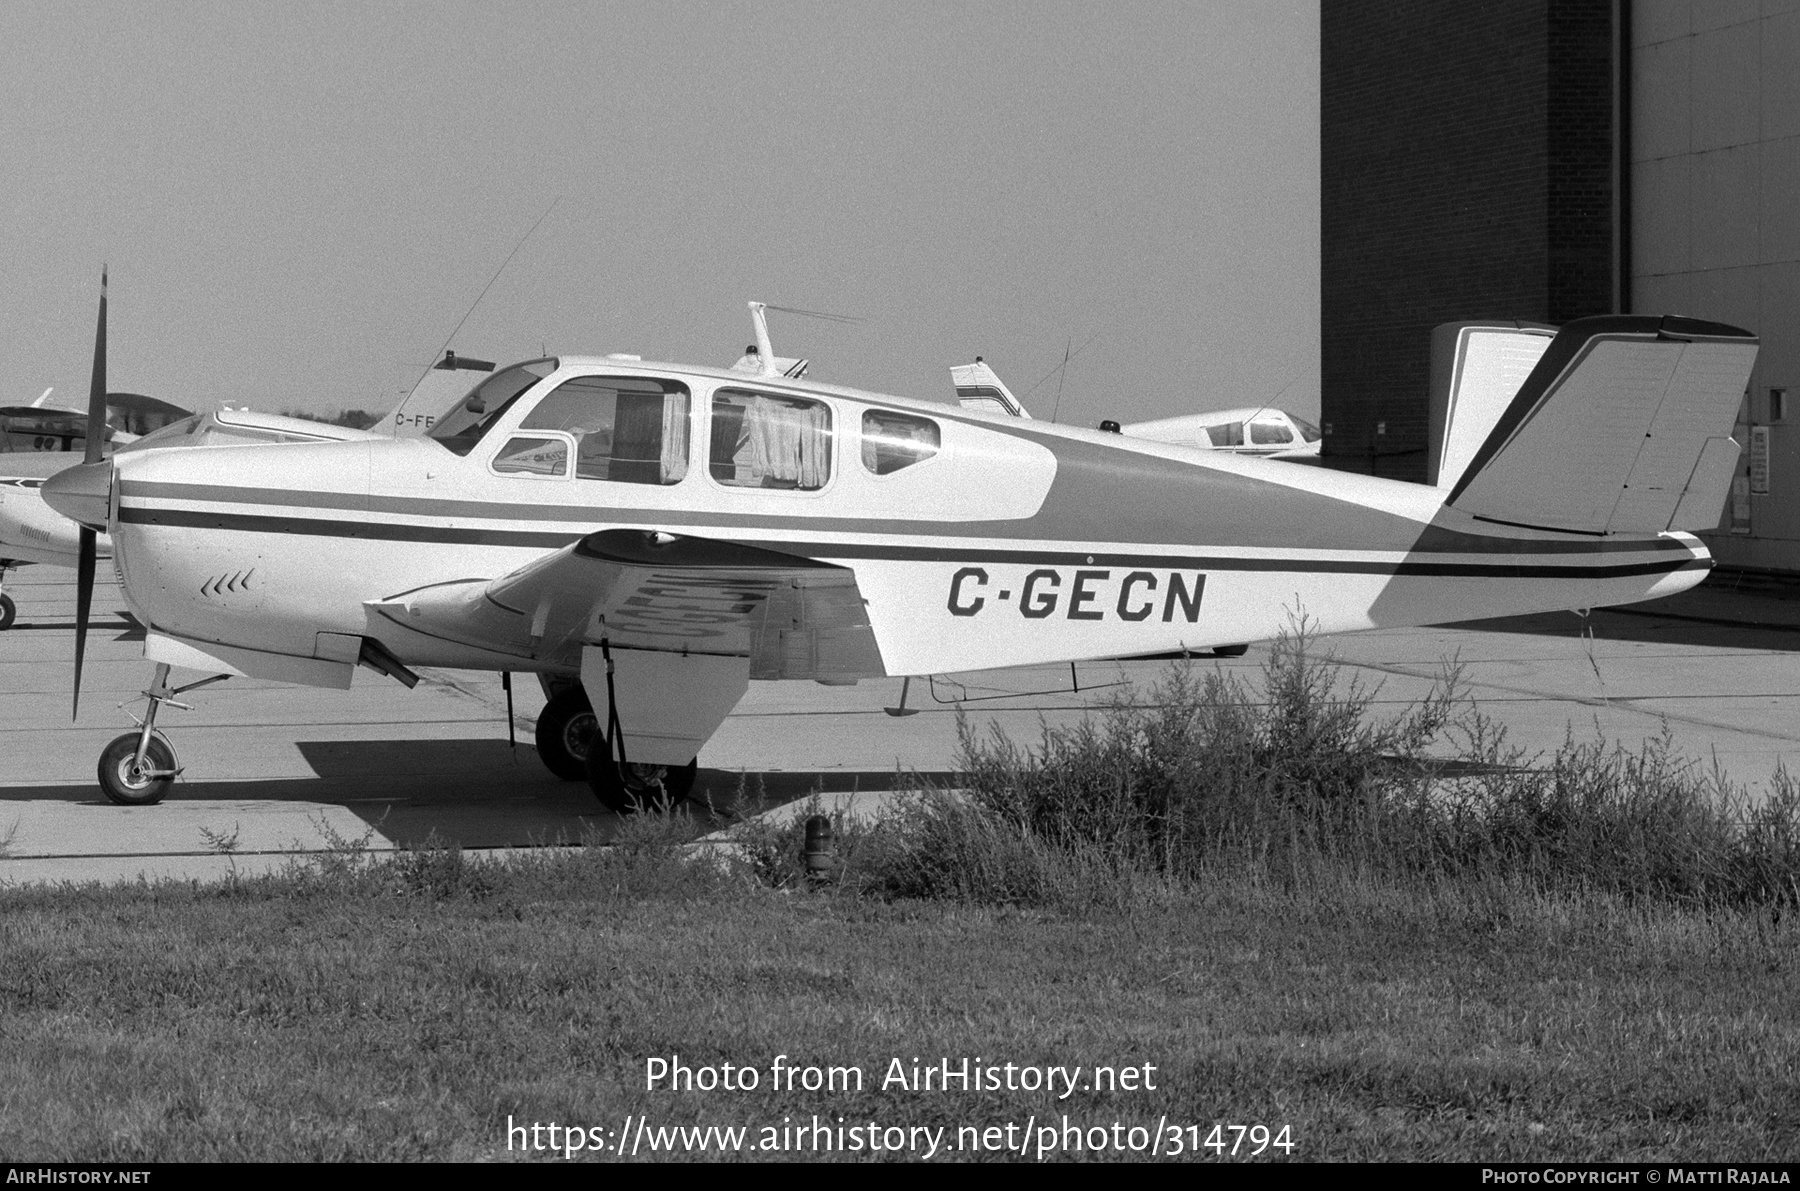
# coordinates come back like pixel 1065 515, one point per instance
pixel 790 445
pixel 674 437
pixel 637 439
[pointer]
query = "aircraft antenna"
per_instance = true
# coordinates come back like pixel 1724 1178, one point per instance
pixel 1066 358
pixel 439 354
pixel 1062 371
pixel 830 318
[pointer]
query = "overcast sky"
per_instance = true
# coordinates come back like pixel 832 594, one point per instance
pixel 299 201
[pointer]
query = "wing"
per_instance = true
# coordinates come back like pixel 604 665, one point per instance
pixel 790 616
pixel 1622 427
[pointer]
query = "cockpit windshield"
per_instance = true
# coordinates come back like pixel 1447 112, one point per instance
pixel 463 427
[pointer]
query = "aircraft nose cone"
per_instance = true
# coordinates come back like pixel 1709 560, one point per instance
pixel 81 493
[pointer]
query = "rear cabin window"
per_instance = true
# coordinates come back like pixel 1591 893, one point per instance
pixel 630 430
pixel 760 440
pixel 1229 434
pixel 891 441
pixel 486 403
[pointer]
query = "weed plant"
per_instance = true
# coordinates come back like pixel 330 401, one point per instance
pixel 1295 773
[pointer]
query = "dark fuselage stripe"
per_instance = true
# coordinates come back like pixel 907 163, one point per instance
pixel 458 535
pixel 579 519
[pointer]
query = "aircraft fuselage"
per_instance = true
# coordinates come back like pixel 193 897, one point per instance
pixel 1014 543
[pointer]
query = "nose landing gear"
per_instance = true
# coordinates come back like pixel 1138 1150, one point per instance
pixel 138 768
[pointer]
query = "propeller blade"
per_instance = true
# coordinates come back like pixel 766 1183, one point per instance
pixel 96 427
pixel 96 442
pixel 84 599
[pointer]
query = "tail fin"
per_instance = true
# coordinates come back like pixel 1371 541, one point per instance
pixel 1623 426
pixel 1476 368
pixel 979 388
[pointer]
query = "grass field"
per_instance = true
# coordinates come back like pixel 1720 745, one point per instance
pixel 408 1010
pixel 1273 922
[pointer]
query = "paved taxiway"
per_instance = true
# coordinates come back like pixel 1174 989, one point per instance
pixel 281 769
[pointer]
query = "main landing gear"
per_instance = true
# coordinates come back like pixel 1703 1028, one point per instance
pixel 574 747
pixel 138 768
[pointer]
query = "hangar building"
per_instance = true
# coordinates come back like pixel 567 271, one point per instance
pixel 1549 159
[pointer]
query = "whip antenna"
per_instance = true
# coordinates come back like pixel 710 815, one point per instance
pixel 439 354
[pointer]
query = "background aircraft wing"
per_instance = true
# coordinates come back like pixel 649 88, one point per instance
pixel 1623 426
pixel 791 616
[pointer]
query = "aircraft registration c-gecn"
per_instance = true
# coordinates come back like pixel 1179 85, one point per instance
pixel 651 537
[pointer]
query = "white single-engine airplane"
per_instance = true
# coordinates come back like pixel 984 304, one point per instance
pixel 648 538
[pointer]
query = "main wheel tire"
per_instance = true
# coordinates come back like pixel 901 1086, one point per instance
pixel 565 730
pixel 9 612
pixel 124 783
pixel 640 787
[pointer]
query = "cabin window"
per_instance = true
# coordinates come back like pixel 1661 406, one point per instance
pixel 1308 431
pixel 891 441
pixel 760 440
pixel 1270 434
pixel 1228 434
pixel 486 404
pixel 627 429
pixel 533 456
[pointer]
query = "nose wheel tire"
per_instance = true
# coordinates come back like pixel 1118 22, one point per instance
pixel 639 787
pixel 128 784
pixel 9 612
pixel 565 728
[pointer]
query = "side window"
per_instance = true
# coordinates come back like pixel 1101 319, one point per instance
pixel 760 440
pixel 527 455
pixel 627 429
pixel 891 441
pixel 1270 434
pixel 1230 434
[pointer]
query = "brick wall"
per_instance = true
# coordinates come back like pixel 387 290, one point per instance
pixel 1467 173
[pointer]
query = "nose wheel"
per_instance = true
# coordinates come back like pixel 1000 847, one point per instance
pixel 138 768
pixel 9 611
pixel 132 780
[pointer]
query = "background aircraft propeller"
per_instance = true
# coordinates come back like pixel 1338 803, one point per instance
pixel 96 442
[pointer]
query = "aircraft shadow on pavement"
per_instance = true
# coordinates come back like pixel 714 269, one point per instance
pixel 1645 625
pixel 480 793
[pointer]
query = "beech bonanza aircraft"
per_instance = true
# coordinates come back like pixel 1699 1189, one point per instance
pixel 648 538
